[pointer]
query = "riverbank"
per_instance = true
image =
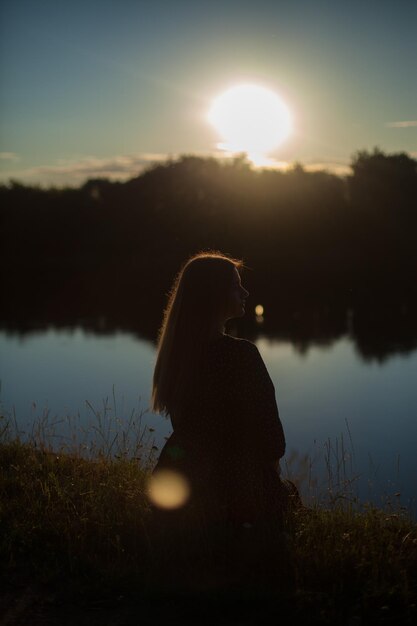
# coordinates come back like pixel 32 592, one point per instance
pixel 77 546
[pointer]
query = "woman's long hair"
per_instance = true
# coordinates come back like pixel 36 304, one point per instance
pixel 196 303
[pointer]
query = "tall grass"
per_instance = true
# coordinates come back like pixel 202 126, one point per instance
pixel 73 498
pixel 74 510
pixel 108 433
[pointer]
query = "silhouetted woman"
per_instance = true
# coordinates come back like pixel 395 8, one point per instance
pixel 227 436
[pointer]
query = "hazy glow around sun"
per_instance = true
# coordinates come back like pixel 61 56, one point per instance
pixel 250 119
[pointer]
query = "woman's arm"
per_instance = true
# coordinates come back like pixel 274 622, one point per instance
pixel 257 407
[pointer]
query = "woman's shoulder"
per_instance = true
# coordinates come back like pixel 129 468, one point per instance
pixel 240 346
pixel 237 357
pixel 245 360
pixel 228 353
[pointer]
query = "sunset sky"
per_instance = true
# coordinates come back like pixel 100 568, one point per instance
pixel 93 88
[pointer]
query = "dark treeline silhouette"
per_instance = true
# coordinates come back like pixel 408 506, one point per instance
pixel 328 255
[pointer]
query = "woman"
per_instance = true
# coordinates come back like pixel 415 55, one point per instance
pixel 227 436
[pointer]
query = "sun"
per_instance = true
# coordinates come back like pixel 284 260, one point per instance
pixel 251 119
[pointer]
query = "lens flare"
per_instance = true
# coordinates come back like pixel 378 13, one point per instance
pixel 168 489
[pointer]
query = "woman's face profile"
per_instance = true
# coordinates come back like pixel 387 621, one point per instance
pixel 237 297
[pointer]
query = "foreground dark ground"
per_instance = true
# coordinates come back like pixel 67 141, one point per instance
pixel 35 605
pixel 77 547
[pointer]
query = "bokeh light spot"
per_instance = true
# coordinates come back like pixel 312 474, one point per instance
pixel 168 489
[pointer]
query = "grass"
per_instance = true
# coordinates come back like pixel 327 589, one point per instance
pixel 76 530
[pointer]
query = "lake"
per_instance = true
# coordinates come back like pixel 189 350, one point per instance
pixel 352 417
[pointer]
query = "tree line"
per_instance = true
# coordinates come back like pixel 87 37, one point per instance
pixel 306 237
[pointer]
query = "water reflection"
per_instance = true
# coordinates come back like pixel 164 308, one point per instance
pixel 377 332
pixel 58 375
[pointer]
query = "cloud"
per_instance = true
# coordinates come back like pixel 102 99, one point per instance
pixel 340 169
pixel 409 124
pixel 76 171
pixel 8 156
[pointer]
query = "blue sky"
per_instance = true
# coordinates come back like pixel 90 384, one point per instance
pixel 101 88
